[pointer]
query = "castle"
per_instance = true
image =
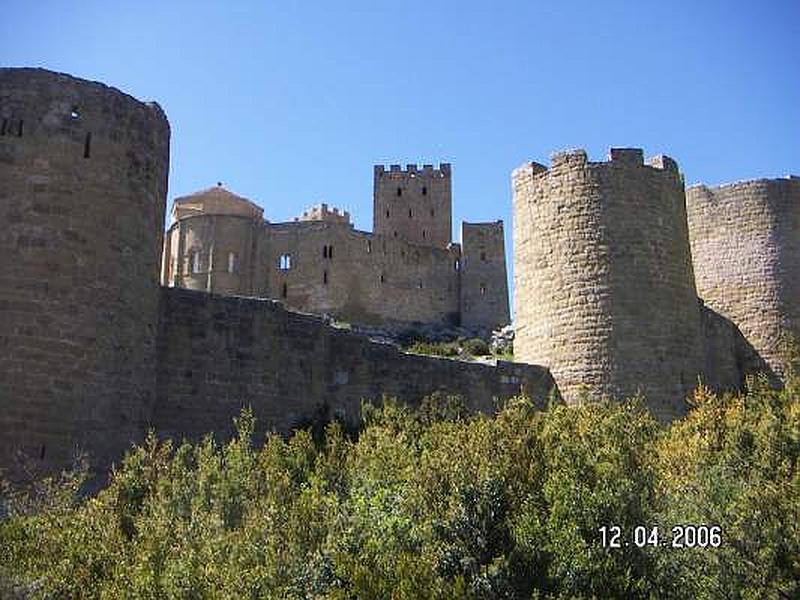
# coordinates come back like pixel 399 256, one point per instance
pixel 407 271
pixel 94 351
pixel 611 262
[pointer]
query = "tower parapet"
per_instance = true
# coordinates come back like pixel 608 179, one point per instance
pixel 413 204
pixel 604 286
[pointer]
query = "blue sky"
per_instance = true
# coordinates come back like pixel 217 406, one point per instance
pixel 292 103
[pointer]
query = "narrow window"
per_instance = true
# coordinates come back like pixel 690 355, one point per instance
pixel 87 145
pixel 285 262
pixel 195 262
pixel 419 285
pixel 483 289
pixel 330 252
pixel 233 262
pixel 433 212
pixel 399 192
pixel 387 213
pixel 324 252
pixel 423 234
pixel 383 279
pixel 395 234
pixel 409 213
pixel 483 256
pixel 41 452
pixel 3 127
pixel 19 131
pixel 457 265
pixel 284 291
pixel 325 277
pixel 424 191
pixel 74 113
pixel 369 246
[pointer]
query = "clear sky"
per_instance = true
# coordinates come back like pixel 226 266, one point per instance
pixel 290 103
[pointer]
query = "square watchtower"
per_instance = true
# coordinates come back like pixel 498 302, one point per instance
pixel 414 204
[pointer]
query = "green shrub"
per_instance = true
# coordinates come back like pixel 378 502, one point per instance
pixel 434 503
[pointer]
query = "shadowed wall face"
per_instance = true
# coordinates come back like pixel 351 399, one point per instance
pixel 605 292
pixel 745 240
pixel 219 354
pixel 83 177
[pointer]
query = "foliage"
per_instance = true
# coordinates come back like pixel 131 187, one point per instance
pixel 434 503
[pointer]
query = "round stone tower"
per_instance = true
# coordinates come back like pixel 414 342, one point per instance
pixel 746 248
pixel 83 179
pixel 604 289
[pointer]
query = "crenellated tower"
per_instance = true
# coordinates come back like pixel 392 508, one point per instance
pixel 414 205
pixel 605 292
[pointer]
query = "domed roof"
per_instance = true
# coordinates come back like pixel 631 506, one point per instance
pixel 215 201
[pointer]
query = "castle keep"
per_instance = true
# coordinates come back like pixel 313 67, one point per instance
pixel 407 271
pixel 609 259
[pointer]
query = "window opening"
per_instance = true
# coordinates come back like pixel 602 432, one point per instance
pixel 19 130
pixel 424 191
pixel 483 255
pixel 284 291
pixel 3 127
pixel 74 113
pixel 409 213
pixel 87 145
pixel 285 262
pixel 233 262
pixel 483 289
pixel 195 262
pixel 369 246
pixel 457 265
pixel 325 277
pixel 399 192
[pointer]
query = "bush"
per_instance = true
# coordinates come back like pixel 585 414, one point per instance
pixel 435 503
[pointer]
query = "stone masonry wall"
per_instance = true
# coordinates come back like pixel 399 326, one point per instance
pixel 604 287
pixel 360 277
pixel 414 204
pixel 484 286
pixel 218 354
pixel 746 251
pixel 83 178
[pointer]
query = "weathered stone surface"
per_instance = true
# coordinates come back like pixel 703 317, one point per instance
pixel 219 354
pixel 83 181
pixel 604 287
pixel 745 240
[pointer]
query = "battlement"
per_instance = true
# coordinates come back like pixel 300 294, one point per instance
pixel 412 170
pixel 321 212
pixel 577 158
pixel 746 183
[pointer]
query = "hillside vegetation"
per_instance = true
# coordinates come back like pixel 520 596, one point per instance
pixel 435 503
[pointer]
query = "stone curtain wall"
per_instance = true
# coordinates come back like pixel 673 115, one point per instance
pixel 218 354
pixel 366 279
pixel 605 292
pixel 83 178
pixel 746 249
